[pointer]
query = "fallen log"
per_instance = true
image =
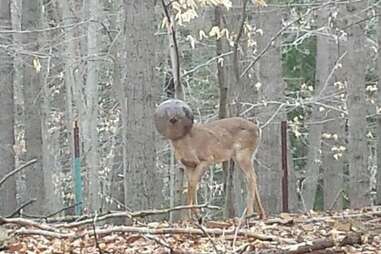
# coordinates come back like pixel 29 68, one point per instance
pixel 315 245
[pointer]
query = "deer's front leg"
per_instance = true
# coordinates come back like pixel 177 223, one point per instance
pixel 193 176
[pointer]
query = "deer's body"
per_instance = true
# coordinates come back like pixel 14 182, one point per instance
pixel 218 141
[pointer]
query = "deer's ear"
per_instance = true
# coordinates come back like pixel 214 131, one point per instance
pixel 188 113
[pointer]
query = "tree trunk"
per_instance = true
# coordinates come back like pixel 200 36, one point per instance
pixel 229 209
pixel 324 86
pixel 89 120
pixel 7 135
pixel 35 182
pixel 270 76
pixel 53 200
pixel 354 69
pixel 143 181
pixel 117 184
pixel 378 184
pixel 238 91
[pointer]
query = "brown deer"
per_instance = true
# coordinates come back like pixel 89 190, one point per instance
pixel 200 145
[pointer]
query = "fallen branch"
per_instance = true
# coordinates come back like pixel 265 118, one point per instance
pixel 316 245
pixel 131 215
pixel 24 231
pixel 15 171
pixel 25 222
pixel 341 216
pixel 191 231
pixel 155 231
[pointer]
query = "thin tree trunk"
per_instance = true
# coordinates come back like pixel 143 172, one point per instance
pixel 270 76
pixel 91 108
pixel 238 92
pixel 223 112
pixel 325 68
pixel 117 186
pixel 35 181
pixel 176 175
pixel 7 134
pixel 354 68
pixel 378 197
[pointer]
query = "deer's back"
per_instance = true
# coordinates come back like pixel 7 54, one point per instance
pixel 217 141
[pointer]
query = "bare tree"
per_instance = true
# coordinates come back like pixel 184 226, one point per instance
pixel 35 182
pixel 378 199
pixel 7 135
pixel 319 152
pixel 269 19
pixel 354 69
pixel 143 181
pixel 89 120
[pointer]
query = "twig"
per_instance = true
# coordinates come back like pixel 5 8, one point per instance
pixel 238 227
pixel 174 52
pixel 236 42
pixel 336 199
pixel 208 236
pixel 95 235
pixel 273 116
pixel 241 249
pixel 279 33
pixel 15 171
pixel 160 242
pixel 62 210
pixel 194 69
pixel 17 211
pixel 337 64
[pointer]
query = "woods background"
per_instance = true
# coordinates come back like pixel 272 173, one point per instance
pixel 107 65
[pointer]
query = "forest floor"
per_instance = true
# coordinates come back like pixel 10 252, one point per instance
pixel 349 231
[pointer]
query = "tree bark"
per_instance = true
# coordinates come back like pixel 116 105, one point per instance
pixel 35 181
pixel 7 134
pixel 354 69
pixel 143 181
pixel 91 108
pixel 229 209
pixel 270 76
pixel 378 184
pixel 319 155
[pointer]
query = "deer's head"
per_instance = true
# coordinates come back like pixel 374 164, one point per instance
pixel 173 119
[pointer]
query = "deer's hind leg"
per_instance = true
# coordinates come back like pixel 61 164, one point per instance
pixel 244 159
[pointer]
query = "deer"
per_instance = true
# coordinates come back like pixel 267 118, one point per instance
pixel 198 146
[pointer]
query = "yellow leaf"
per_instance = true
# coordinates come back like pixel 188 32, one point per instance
pixel 215 31
pixel 202 35
pixel 37 65
pixel 260 2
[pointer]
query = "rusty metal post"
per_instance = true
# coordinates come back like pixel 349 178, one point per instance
pixel 78 195
pixel 284 167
